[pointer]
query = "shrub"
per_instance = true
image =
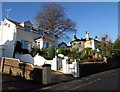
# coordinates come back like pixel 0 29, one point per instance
pixel 35 50
pixel 43 52
pixel 51 52
pixel 63 51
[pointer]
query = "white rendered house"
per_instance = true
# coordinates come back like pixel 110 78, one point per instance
pixel 12 31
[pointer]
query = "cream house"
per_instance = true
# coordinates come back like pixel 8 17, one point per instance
pixel 85 43
pixel 12 31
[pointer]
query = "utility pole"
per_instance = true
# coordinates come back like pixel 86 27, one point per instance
pixel 8 12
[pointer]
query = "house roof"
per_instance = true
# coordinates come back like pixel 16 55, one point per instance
pixel 45 37
pixel 18 24
pixel 62 43
pixel 14 22
pixel 83 40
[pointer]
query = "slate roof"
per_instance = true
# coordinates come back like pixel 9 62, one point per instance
pixel 83 40
pixel 45 37
pixel 62 43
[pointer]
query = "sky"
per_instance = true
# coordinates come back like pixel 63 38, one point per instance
pixel 98 18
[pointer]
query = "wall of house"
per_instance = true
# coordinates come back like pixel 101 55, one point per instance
pixel 27 36
pixel 93 44
pixel 96 44
pixel 1 50
pixel 40 43
pixel 78 44
pixel 88 44
pixel 7 31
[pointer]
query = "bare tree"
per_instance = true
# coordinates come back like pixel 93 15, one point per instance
pixel 52 17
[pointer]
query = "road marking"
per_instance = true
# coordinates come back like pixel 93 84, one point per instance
pixel 11 88
pixel 45 88
pixel 85 84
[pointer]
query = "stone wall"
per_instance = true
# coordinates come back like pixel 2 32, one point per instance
pixel 16 68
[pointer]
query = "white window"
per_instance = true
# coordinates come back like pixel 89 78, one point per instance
pixel 25 44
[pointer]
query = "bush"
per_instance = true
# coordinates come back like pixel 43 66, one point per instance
pixel 63 51
pixel 51 52
pixel 43 52
pixel 35 50
pixel 89 69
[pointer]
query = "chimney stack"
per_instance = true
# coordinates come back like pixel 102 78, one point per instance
pixel 87 36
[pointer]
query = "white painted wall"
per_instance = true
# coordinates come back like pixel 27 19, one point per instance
pixel 56 64
pixel 93 44
pixel 6 33
pixel 41 43
pixel 39 60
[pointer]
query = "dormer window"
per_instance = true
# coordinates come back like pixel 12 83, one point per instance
pixel 27 28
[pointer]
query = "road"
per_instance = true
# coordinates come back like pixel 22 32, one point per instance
pixel 108 80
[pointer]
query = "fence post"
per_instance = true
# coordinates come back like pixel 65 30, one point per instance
pixel 46 74
pixel 65 65
pixel 77 72
pixel 54 64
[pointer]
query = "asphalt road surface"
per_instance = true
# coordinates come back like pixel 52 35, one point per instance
pixel 108 80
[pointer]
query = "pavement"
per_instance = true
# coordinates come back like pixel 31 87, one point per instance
pixel 10 83
pixel 104 81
